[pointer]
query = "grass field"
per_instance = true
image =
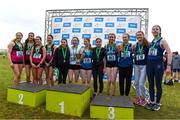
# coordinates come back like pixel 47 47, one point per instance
pixel 170 102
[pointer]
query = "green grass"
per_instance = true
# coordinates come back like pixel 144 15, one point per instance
pixel 170 102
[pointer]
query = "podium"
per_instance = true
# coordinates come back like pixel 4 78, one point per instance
pixel 112 107
pixel 68 99
pixel 27 94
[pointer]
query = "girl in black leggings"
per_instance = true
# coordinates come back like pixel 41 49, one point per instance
pixel 98 65
pixel 61 61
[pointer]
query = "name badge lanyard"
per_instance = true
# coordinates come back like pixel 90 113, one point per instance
pixel 29 46
pixel 154 44
pixel 19 46
pixel 64 51
pixel 74 51
pixel 110 48
pixel 37 50
pixel 140 49
pixel 98 51
pixel 126 49
pixel 48 49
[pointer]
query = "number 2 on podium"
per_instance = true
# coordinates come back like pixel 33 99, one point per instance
pixel 61 104
pixel 20 98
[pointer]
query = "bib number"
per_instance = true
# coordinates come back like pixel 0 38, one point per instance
pixel 152 52
pixel 125 54
pixel 27 52
pixel 37 55
pixel 140 57
pixel 19 53
pixel 111 58
pixel 87 60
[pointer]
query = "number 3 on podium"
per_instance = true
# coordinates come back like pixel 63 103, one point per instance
pixel 61 105
pixel 111 114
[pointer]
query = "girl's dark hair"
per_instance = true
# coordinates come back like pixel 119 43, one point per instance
pixel 76 39
pixel 159 29
pixel 66 44
pixel 27 40
pixel 39 37
pixel 98 39
pixel 50 36
pixel 145 42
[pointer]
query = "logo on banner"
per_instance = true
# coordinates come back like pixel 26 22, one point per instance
pixel 58 20
pixel 118 42
pixel 110 24
pixel 94 42
pixel 98 24
pixel 77 25
pixel 121 31
pixel 87 24
pixel 88 19
pixel 56 37
pixel 108 30
pixel 66 24
pixel 57 31
pixel 86 36
pixel 132 25
pixel 119 36
pixel 121 19
pixel 56 42
pixel 77 19
pixel 106 36
pixel 99 19
pixel 76 30
pixel 131 31
pixel 132 38
pixel 66 36
pixel 98 30
pixel 65 30
pixel 87 31
pixel 109 19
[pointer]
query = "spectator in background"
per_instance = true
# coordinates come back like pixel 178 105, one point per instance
pixel 176 66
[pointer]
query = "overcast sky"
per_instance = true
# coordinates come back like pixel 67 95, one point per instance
pixel 27 16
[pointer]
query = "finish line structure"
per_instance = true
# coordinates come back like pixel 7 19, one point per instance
pixel 106 13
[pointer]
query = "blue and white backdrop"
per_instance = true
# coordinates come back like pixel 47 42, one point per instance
pixel 93 27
